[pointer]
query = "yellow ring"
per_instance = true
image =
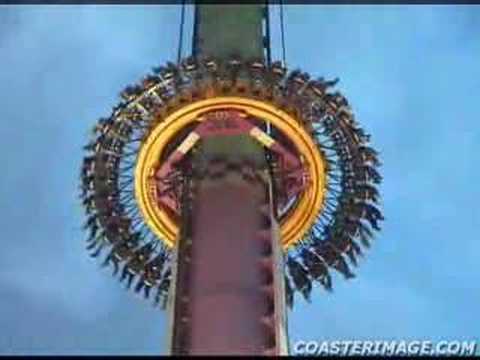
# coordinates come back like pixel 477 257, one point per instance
pixel 300 219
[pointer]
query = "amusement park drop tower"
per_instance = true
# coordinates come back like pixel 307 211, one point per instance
pixel 223 185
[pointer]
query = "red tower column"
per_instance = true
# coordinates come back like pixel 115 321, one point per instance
pixel 228 279
pixel 225 301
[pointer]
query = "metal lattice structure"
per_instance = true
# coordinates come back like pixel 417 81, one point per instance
pixel 342 171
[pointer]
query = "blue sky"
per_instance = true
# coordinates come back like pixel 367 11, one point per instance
pixel 412 75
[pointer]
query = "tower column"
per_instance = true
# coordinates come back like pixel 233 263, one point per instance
pixel 225 289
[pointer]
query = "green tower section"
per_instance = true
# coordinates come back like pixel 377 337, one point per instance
pixel 222 32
